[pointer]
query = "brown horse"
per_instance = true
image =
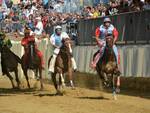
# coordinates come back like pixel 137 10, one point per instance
pixel 107 66
pixel 63 65
pixel 32 61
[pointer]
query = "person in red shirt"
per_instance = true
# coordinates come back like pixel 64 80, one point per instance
pixel 25 41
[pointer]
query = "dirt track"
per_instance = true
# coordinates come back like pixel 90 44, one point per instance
pixel 74 101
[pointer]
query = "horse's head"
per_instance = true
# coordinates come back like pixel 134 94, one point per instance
pixel 109 41
pixel 31 48
pixel 67 43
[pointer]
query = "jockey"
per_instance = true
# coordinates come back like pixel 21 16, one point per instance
pixel 56 41
pixel 4 41
pixel 24 42
pixel 100 33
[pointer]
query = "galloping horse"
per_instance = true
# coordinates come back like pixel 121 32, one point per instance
pixel 9 63
pixel 107 65
pixel 32 61
pixel 63 65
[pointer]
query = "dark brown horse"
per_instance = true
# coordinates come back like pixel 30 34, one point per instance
pixel 32 61
pixel 63 65
pixel 9 63
pixel 107 66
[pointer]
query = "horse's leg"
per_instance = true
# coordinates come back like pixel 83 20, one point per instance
pixel 118 84
pixel 62 80
pixel 71 78
pixel 41 81
pixel 54 81
pixel 36 74
pixel 17 78
pixel 113 87
pixel 103 78
pixel 10 78
pixel 26 76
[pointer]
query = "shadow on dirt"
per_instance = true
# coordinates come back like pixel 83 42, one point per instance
pixel 43 95
pixel 10 91
pixel 94 98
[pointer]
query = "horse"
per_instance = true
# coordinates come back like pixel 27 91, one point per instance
pixel 32 61
pixel 9 63
pixel 63 65
pixel 107 66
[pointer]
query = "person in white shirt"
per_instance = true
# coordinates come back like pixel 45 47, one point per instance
pixel 39 26
pixel 56 41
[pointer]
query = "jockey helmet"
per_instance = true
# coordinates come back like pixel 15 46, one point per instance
pixel 58 27
pixel 27 30
pixel 2 35
pixel 58 30
pixel 107 20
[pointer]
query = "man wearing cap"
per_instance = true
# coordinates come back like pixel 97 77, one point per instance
pixel 56 41
pixel 24 42
pixel 101 32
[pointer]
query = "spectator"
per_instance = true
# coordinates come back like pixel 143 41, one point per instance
pixel 146 5
pixel 113 8
pixel 58 7
pixel 15 20
pixel 95 12
pixel 39 26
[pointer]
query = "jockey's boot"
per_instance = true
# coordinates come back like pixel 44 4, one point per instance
pixel 52 64
pixel 74 64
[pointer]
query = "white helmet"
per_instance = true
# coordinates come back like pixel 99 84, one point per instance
pixel 58 27
pixel 58 30
pixel 107 20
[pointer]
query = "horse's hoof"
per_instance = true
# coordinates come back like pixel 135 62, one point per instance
pixel 106 84
pixel 37 78
pixel 73 88
pixel 18 87
pixel 117 90
pixel 115 97
pixel 59 93
pixel 63 85
pixel 75 70
pixel 13 87
pixel 41 89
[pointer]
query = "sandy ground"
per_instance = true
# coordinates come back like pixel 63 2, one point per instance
pixel 74 101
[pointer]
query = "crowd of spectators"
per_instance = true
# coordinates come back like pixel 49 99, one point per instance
pixel 41 16
pixel 115 7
